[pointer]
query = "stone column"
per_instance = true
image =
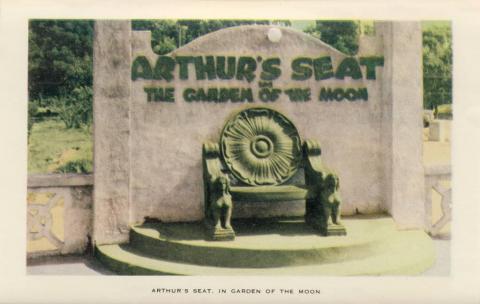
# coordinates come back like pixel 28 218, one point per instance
pixel 402 126
pixel 111 84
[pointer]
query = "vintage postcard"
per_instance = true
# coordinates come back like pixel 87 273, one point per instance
pixel 196 155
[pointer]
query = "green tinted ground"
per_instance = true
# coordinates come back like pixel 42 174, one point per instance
pixel 372 247
pixel 427 25
pixel 52 146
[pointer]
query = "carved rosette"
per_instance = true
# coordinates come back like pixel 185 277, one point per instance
pixel 261 147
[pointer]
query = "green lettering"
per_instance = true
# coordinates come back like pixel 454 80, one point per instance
pixel 205 69
pixel 169 94
pixel 164 68
pixel 349 68
pixel 212 94
pixel 338 94
pixel 246 68
pixel 183 62
pixel 235 95
pixel 150 92
pixel 246 95
pixel 141 68
pixel 351 94
pixel 228 71
pixel 224 95
pixel 298 94
pixel 158 94
pixel 201 96
pixel 189 95
pixel 326 94
pixel 371 63
pixel 270 69
pixel 362 93
pixel 301 68
pixel 323 68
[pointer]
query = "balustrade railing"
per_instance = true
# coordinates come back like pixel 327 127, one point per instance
pixel 59 213
pixel 438 183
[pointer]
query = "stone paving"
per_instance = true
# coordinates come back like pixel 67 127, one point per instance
pixel 66 265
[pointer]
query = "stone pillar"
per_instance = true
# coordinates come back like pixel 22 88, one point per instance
pixel 111 84
pixel 402 127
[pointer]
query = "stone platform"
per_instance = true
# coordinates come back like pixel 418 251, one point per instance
pixel 373 246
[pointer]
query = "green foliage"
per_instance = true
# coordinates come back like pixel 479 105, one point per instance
pixel 170 34
pixel 165 34
pixel 367 27
pixel 165 46
pixel 76 166
pixel 437 52
pixel 60 68
pixel 60 56
pixel 76 108
pixel 342 35
pixel 32 112
pixel 437 66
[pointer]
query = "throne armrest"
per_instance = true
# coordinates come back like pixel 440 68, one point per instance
pixel 315 170
pixel 212 166
pixel 212 170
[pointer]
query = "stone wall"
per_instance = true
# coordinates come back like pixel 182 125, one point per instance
pixel 167 137
pixel 111 110
pixel 148 154
pixel 402 125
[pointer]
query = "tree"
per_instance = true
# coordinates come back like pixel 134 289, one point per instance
pixel 76 108
pixel 60 69
pixel 164 34
pixel 437 66
pixel 342 35
pixel 60 57
pixel 167 35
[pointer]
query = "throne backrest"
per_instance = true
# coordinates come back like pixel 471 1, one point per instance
pixel 260 146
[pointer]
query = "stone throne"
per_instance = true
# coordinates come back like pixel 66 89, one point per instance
pixel 258 154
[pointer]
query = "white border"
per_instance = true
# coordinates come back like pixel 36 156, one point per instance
pixel 461 287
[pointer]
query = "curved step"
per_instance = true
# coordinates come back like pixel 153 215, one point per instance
pixel 261 244
pixel 408 252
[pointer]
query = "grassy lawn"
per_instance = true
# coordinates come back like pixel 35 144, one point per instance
pixel 51 146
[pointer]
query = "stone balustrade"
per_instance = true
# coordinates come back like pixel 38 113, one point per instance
pixel 59 214
pixel 437 179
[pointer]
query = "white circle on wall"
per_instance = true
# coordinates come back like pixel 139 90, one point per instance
pixel 274 34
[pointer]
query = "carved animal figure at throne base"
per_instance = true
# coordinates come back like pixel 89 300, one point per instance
pixel 219 210
pixel 332 199
pixel 323 212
